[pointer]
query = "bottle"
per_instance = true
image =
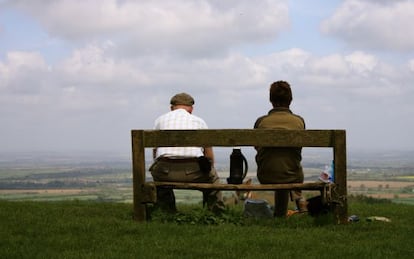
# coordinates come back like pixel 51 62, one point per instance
pixel 332 172
pixel 238 167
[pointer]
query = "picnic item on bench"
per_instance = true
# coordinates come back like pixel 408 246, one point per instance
pixel 237 162
pixel 326 175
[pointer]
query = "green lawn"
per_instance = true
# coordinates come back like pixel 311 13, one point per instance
pixel 85 229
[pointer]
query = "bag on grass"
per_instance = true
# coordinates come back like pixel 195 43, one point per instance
pixel 316 207
pixel 257 208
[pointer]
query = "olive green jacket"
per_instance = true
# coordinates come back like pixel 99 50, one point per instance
pixel 279 165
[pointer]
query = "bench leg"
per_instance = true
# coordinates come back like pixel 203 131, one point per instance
pixel 340 205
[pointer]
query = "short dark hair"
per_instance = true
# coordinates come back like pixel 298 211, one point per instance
pixel 280 94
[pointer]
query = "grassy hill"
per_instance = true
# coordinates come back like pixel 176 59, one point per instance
pixel 86 229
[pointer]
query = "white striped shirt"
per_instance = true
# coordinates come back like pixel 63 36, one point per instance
pixel 179 119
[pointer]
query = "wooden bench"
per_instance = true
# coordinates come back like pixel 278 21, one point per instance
pixel 334 193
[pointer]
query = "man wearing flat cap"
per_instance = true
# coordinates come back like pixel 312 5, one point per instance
pixel 184 164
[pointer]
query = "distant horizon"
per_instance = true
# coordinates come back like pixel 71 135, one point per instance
pixel 128 149
pixel 221 154
pixel 118 151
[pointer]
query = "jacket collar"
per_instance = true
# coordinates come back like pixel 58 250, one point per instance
pixel 280 109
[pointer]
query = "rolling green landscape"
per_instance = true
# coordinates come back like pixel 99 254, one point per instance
pixel 108 177
pixel 77 207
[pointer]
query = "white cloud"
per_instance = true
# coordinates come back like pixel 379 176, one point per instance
pixel 22 73
pixel 331 71
pixel 332 65
pixel 180 26
pixel 411 65
pixel 92 65
pixel 361 62
pixel 373 24
pixel 288 60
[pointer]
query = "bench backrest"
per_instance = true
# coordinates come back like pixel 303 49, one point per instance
pixel 335 139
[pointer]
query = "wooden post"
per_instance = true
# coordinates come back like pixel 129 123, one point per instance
pixel 340 191
pixel 138 174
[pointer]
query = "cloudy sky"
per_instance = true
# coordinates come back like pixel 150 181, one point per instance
pixel 80 74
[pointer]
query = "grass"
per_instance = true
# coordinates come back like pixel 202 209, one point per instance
pixel 85 229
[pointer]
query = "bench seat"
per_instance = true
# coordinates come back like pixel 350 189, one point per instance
pixel 150 194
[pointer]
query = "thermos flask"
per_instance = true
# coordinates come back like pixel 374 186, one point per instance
pixel 238 167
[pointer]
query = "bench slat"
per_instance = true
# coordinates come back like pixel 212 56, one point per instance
pixel 237 137
pixel 242 187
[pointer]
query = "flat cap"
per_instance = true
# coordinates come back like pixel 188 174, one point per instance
pixel 183 99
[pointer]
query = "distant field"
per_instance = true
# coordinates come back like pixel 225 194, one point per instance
pixel 112 181
pixel 43 191
pixel 380 184
pixel 406 177
pixel 398 191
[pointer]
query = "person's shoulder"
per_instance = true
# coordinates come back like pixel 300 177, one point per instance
pixel 259 120
pixel 163 115
pixel 199 121
pixel 298 116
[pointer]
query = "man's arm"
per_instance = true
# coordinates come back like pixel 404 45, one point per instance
pixel 208 152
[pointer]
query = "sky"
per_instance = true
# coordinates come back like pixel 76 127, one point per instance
pixel 78 75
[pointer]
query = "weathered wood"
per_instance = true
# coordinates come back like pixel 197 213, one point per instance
pixel 237 137
pixel 241 187
pixel 138 175
pixel 340 191
pixel 336 139
pixel 149 193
